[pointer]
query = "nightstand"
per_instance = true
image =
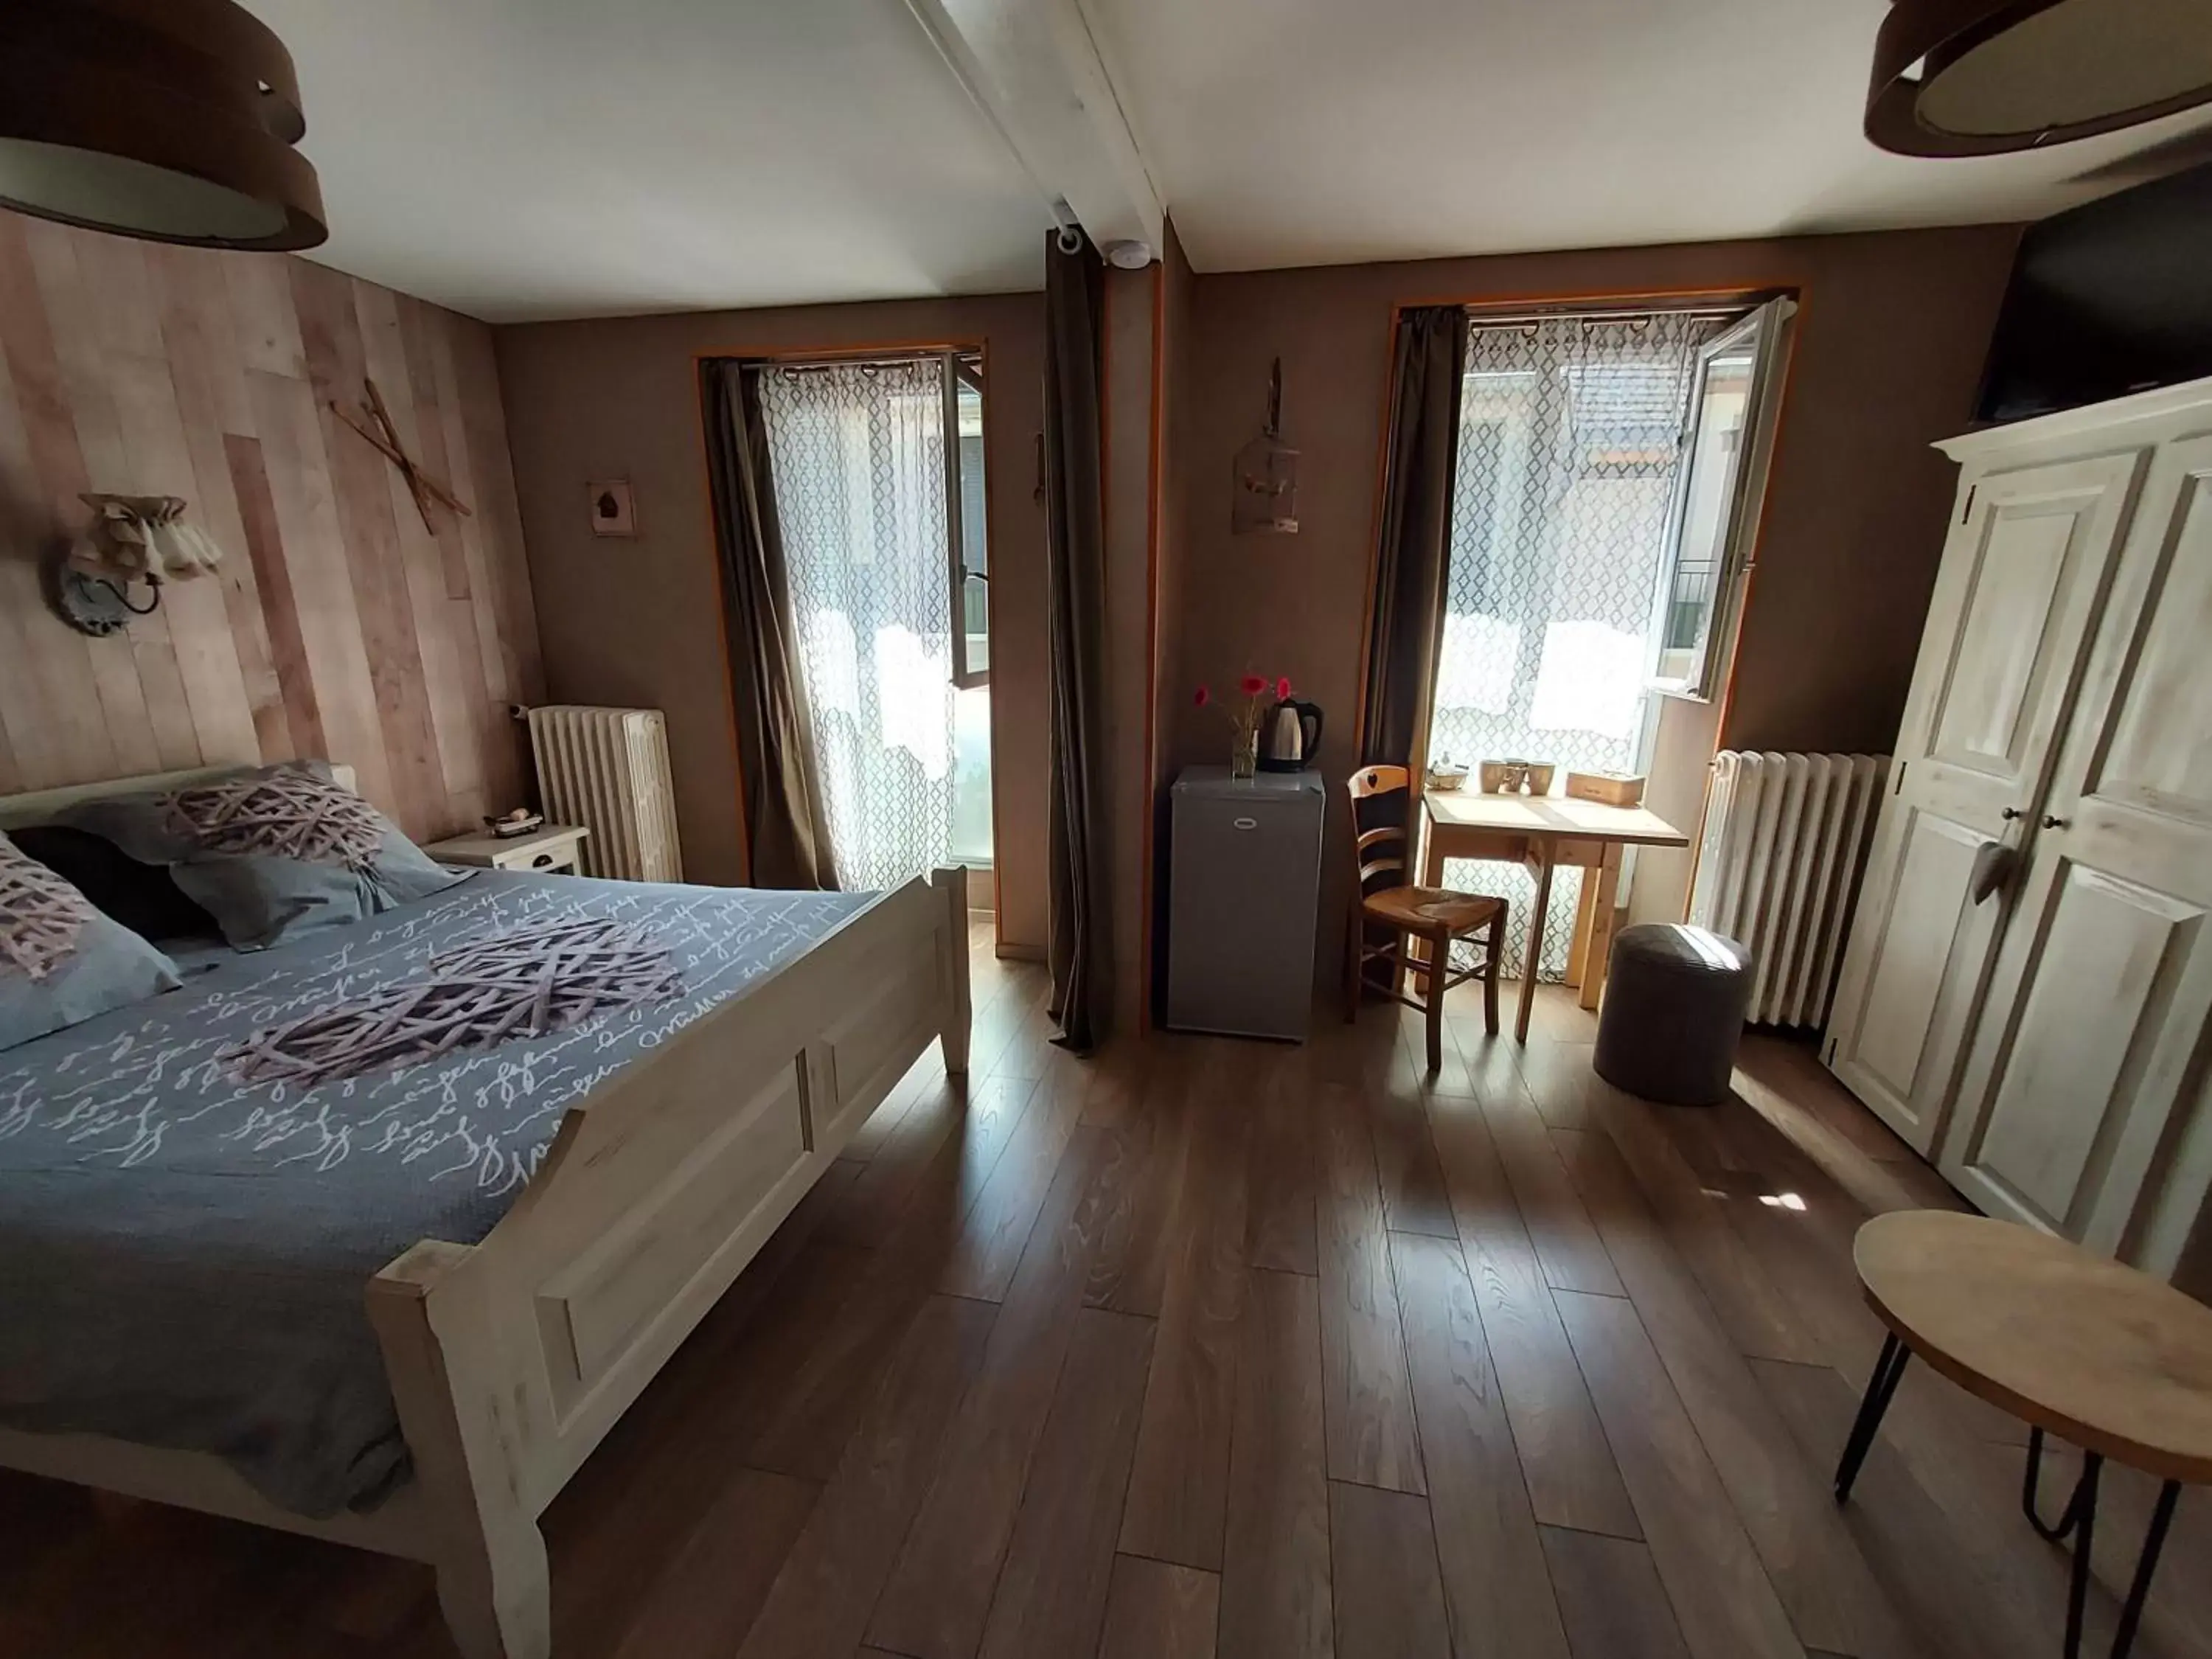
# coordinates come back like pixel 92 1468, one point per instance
pixel 549 848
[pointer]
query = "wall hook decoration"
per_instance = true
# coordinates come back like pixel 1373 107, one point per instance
pixel 132 538
pixel 375 426
pixel 1265 499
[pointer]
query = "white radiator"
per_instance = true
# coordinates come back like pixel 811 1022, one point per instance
pixel 1779 859
pixel 607 769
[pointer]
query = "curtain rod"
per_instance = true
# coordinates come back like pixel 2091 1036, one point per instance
pixel 1523 317
pixel 864 359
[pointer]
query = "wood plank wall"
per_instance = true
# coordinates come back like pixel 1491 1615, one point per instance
pixel 338 626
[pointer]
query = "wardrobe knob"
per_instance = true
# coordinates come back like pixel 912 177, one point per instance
pixel 2053 821
pixel 2012 812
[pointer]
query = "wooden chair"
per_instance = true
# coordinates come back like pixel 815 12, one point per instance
pixel 1435 916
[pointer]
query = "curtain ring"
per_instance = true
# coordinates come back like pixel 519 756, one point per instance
pixel 1070 239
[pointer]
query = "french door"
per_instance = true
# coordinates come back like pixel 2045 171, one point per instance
pixel 877 469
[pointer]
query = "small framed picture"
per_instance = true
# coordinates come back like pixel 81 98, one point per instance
pixel 614 512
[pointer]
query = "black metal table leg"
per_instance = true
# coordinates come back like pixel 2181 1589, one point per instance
pixel 1880 1386
pixel 2030 1480
pixel 2161 1517
pixel 2078 1521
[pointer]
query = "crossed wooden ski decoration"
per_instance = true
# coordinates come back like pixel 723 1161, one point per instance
pixel 374 424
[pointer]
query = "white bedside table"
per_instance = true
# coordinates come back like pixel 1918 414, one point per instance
pixel 549 848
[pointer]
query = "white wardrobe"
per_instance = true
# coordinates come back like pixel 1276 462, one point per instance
pixel 2025 992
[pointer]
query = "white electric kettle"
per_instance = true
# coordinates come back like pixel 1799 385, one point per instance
pixel 1290 737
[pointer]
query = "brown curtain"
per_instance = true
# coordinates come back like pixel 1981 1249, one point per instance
pixel 1430 360
pixel 785 829
pixel 1075 557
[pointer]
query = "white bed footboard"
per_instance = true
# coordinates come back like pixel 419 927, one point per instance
pixel 510 1360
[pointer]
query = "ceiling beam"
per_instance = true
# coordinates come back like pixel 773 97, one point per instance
pixel 1034 69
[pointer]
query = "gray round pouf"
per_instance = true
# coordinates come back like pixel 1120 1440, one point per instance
pixel 1675 997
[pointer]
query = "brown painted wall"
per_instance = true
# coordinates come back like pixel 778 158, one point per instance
pixel 1889 348
pixel 640 622
pixel 337 625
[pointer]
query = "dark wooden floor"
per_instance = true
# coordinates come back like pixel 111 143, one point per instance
pixel 1218 1348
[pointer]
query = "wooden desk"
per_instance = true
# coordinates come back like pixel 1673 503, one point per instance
pixel 1543 832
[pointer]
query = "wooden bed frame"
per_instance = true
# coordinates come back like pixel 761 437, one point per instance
pixel 511 1358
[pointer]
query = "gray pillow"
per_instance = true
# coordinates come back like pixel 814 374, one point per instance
pixel 61 961
pixel 272 852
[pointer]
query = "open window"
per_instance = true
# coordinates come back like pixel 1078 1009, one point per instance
pixel 1727 442
pixel 969 541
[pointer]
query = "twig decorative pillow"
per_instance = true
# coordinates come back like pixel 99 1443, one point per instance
pixel 271 852
pixel 61 961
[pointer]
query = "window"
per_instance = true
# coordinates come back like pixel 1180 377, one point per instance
pixel 1582 551
pixel 874 481
pixel 1726 439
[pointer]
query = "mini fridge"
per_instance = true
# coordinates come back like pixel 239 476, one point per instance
pixel 1243 901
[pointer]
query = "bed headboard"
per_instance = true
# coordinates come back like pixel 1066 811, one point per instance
pixel 42 804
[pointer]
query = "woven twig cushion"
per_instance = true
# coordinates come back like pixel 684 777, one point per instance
pixel 280 813
pixel 522 983
pixel 42 915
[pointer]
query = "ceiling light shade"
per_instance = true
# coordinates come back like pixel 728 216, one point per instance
pixel 172 120
pixel 1978 77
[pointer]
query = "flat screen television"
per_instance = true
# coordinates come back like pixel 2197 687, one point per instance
pixel 2106 299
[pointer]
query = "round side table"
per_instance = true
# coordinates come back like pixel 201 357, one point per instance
pixel 2106 1358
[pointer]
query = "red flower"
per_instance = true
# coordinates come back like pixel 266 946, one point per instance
pixel 1203 698
pixel 1252 685
pixel 1283 688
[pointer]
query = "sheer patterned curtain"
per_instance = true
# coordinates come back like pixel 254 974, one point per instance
pixel 857 452
pixel 1568 440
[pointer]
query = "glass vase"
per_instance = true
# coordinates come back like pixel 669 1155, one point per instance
pixel 1245 754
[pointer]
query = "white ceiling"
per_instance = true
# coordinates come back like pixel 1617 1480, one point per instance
pixel 518 159
pixel 1318 131
pixel 534 158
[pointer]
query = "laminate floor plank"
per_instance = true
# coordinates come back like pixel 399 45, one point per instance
pixel 1372 1437
pixel 997 1024
pixel 1179 1481
pixel 1280 1208
pixel 1275 1595
pixel 1874 1183
pixel 938 1593
pixel 990 1245
pixel 1725 1605
pixel 1494 1581
pixel 1759 1318
pixel 1979 1595
pixel 1615 1606
pixel 1129 1272
pixel 1389 1601
pixel 819 1602
pixel 1414 1198
pixel 2177 1620
pixel 1156 1610
pixel 1835 1600
pixel 1559 1080
pixel 1491 1061
pixel 1567 1246
pixel 708 1593
pixel 1800 1225
pixel 1051 1596
pixel 1571 1477
pixel 869 1138
pixel 802 1430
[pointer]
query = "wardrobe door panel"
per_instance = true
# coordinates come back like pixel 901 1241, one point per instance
pixel 2073 1112
pixel 2007 627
